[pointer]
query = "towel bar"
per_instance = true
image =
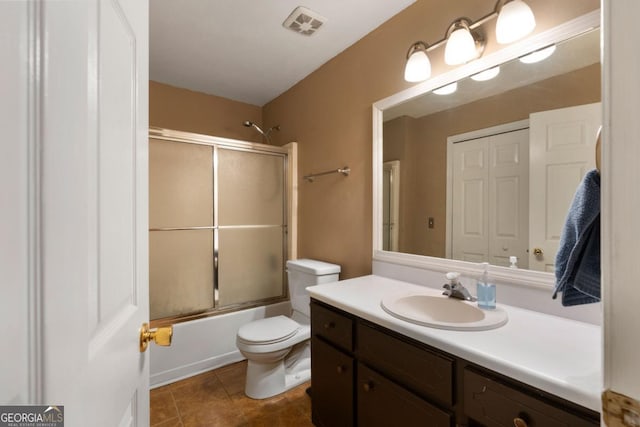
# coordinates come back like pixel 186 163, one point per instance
pixel 344 171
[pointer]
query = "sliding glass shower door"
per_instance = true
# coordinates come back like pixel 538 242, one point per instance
pixel 181 223
pixel 217 216
pixel 251 221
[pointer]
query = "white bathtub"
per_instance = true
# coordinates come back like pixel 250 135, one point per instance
pixel 204 344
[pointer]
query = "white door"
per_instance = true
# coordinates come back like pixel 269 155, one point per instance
pixel 509 197
pixel 93 185
pixel 470 201
pixel 562 150
pixel 490 198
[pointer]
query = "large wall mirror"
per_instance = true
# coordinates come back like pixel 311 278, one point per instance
pixel 487 173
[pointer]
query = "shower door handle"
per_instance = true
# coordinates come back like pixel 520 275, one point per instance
pixel 161 336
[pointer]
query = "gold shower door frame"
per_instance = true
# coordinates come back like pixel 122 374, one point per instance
pixel 287 154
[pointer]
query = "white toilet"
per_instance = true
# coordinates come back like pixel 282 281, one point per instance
pixel 278 348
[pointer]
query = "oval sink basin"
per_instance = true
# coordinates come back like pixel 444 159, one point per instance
pixel 443 312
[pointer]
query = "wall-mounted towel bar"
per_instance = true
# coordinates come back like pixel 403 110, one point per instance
pixel 344 171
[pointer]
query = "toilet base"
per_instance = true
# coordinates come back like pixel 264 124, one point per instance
pixel 269 379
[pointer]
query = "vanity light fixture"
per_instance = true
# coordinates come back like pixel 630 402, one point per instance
pixel 447 90
pixel 464 42
pixel 462 45
pixel 485 75
pixel 538 55
pixel 418 65
pixel 515 21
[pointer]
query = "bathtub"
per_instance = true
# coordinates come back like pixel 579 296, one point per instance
pixel 204 344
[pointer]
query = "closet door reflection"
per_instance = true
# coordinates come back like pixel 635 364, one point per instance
pixel 251 224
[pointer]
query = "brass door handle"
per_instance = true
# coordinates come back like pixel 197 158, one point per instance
pixel 368 386
pixel 538 252
pixel 161 336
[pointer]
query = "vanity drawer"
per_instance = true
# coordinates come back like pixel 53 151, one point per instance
pixel 426 373
pixel 381 402
pixel 495 404
pixel 332 326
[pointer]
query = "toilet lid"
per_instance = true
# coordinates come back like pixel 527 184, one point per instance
pixel 269 330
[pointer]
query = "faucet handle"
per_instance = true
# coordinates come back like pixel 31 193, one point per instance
pixel 447 286
pixel 453 277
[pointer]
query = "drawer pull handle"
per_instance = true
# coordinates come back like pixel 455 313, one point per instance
pixel 368 386
pixel 519 422
pixel 340 369
pixel 329 325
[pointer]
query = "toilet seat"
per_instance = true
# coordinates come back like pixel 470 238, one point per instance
pixel 270 330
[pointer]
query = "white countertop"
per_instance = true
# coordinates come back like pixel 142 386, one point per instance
pixel 560 356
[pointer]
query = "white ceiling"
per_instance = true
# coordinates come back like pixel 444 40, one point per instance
pixel 238 49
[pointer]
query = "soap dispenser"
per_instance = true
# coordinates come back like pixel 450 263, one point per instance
pixel 486 290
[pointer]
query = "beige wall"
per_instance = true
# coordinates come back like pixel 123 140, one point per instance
pixel 175 108
pixel 329 114
pixel 424 170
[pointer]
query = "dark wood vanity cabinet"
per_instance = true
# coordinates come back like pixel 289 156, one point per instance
pixel 428 374
pixel 332 373
pixel 496 404
pixel 365 375
pixel 361 376
pixel 382 402
pixel 332 368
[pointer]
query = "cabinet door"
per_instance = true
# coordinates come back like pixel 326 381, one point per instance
pixel 498 405
pixel 331 385
pixel 381 402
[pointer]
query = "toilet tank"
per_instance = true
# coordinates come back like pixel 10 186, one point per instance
pixel 302 273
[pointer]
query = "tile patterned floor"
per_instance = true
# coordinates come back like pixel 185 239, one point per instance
pixel 216 398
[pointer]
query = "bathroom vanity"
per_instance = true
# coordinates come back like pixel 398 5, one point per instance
pixel 372 369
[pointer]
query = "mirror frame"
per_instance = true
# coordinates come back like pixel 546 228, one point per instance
pixel 531 278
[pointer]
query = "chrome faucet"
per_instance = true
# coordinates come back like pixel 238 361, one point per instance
pixel 455 289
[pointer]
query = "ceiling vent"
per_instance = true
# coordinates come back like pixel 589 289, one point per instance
pixel 304 21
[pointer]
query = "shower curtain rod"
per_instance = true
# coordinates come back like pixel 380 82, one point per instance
pixel 344 171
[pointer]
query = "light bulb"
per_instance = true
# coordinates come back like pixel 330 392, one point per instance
pixel 485 75
pixel 418 67
pixel 538 55
pixel 446 90
pixel 461 47
pixel 515 21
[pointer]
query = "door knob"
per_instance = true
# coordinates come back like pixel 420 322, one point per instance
pixel 538 252
pixel 161 336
